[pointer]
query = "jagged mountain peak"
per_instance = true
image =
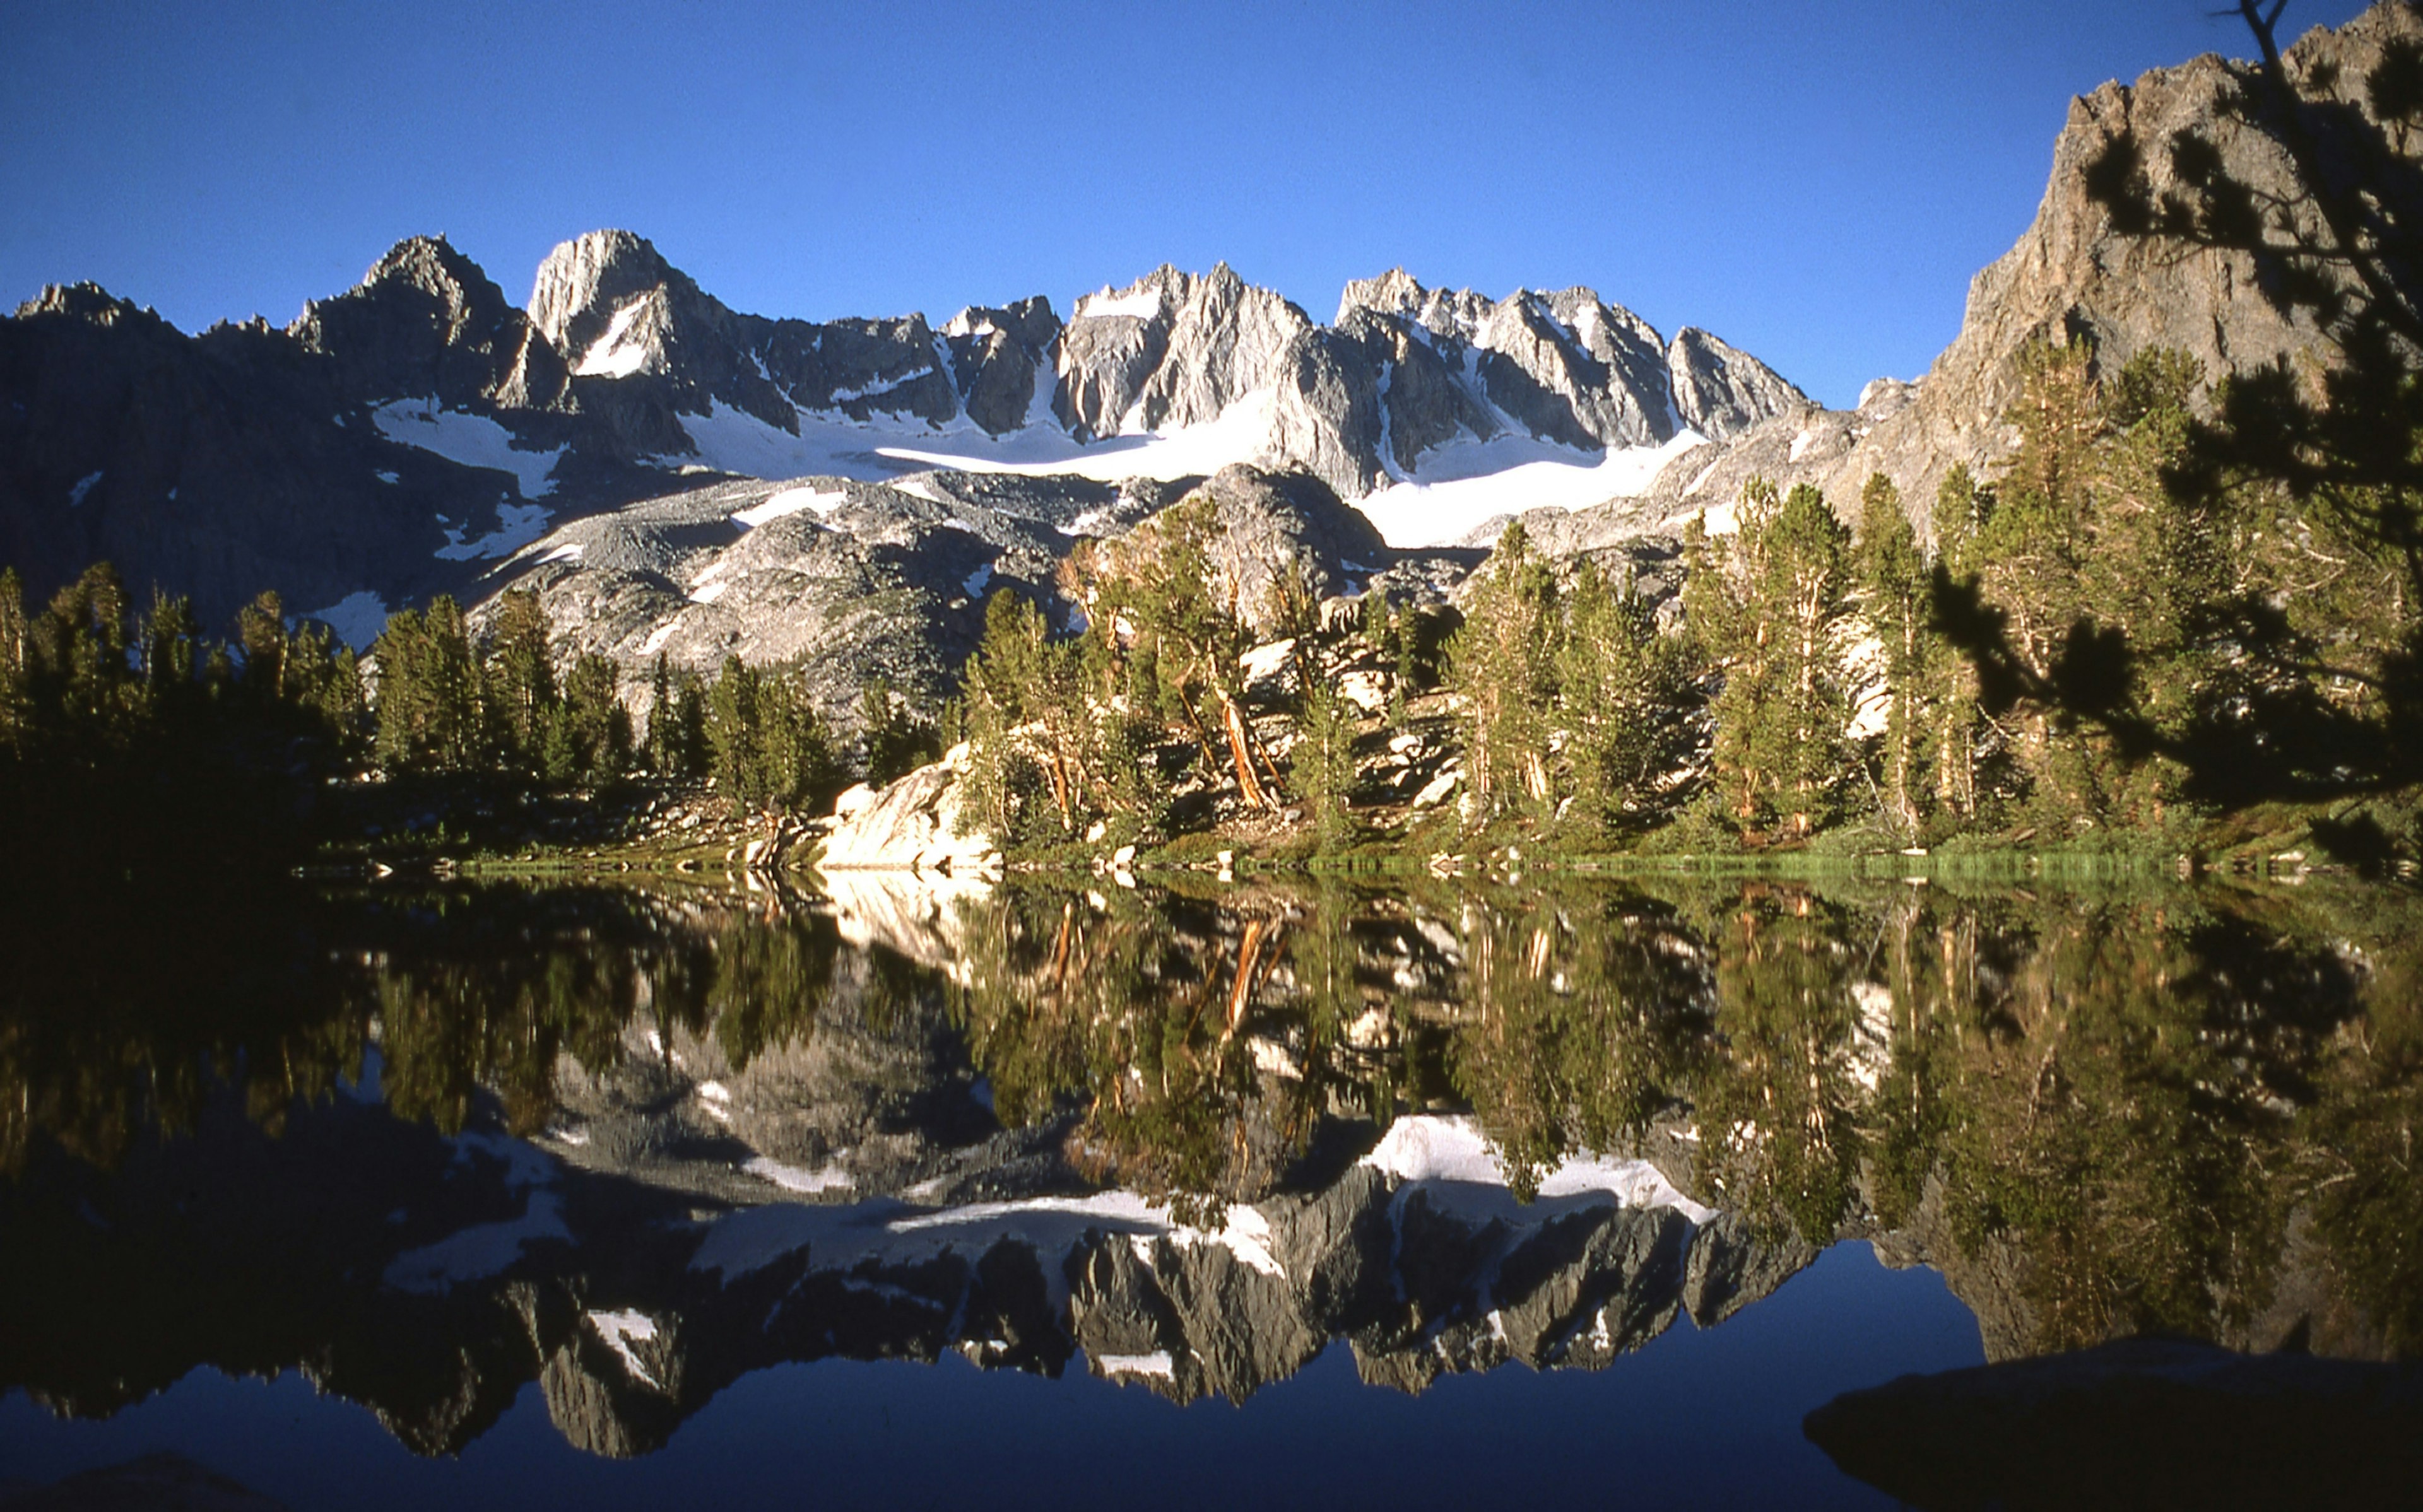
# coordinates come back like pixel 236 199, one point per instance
pixel 1031 320
pixel 583 281
pixel 429 262
pixel 86 301
pixel 427 323
pixel 1720 390
pixel 1393 293
pixel 1168 289
pixel 1153 295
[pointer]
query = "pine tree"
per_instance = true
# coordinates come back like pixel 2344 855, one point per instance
pixel 521 678
pixel 1894 586
pixel 429 716
pixel 688 746
pixel 1961 510
pixel 260 632
pixel 596 727
pixel 1321 764
pixel 1771 606
pixel 2030 556
pixel 1501 666
pixel 1180 632
pixel 171 638
pixel 1010 681
pixel 14 705
pixel 896 741
pixel 79 672
pixel 796 752
pixel 1388 633
pixel 662 719
pixel 1623 692
pixel 736 736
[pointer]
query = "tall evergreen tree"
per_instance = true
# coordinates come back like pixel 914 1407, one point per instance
pixel 1894 589
pixel 429 716
pixel 1771 606
pixel 260 633
pixel 1622 691
pixel 1961 510
pixel 1321 765
pixel 659 741
pixel 521 678
pixel 596 727
pixel 1501 666
pixel 895 741
pixel 14 650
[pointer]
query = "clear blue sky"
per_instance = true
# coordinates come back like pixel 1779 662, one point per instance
pixel 1814 182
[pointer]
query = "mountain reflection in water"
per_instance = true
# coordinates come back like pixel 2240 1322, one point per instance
pixel 431 1146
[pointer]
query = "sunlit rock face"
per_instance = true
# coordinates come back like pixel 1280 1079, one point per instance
pixel 2073 274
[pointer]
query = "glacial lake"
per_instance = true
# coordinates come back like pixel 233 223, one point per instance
pixel 1397 1192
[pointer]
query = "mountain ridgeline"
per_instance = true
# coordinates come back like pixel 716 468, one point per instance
pixel 407 433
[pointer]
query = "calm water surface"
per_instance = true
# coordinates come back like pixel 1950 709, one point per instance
pixel 1080 1194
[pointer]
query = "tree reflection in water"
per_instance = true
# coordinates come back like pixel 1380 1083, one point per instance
pixel 2108 1114
pixel 2100 1113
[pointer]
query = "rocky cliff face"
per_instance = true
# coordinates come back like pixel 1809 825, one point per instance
pixel 2074 275
pixel 425 322
pixel 231 461
pixel 1562 366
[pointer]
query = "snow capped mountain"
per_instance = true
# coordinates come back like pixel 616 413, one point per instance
pixel 682 477
pixel 1176 374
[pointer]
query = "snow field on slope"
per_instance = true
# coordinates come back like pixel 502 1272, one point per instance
pixel 1456 489
pixel 790 501
pixel 1467 484
pixel 473 440
pixel 734 441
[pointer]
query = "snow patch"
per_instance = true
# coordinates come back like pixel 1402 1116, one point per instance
pixel 611 355
pixel 707 592
pixel 472 440
pixel 1871 1046
pixel 792 1179
pixel 1429 1149
pixel 841 1237
pixel 656 638
pixel 569 551
pixel 1460 487
pixel 790 501
pixel 82 486
pixel 1157 1364
pixel 1141 306
pixel 620 1330
pixel 356 618
pixel 518 525
pixel 974 584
